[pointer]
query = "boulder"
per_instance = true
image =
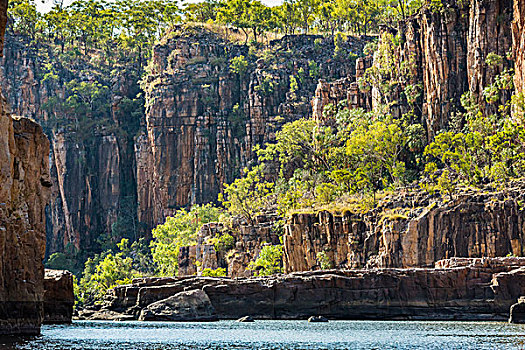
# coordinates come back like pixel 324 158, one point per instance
pixel 193 305
pixel 517 311
pixel 316 319
pixel 59 298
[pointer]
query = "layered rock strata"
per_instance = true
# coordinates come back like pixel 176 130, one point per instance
pixel 410 229
pixel 465 289
pixel 59 298
pixel 442 54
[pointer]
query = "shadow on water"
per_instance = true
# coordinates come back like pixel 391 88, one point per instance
pixel 17 342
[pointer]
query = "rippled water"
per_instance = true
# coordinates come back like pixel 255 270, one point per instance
pixel 262 335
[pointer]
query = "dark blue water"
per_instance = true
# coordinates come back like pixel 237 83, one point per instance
pixel 262 335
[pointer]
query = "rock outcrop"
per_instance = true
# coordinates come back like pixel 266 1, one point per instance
pixel 247 240
pixel 463 289
pixel 410 229
pixel 24 193
pixel 24 175
pixel 193 305
pixel 59 298
pixel 517 311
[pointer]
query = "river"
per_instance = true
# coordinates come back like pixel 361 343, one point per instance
pixel 262 335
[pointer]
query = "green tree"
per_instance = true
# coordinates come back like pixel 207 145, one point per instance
pixel 248 195
pixel 104 272
pixel 375 151
pixel 179 230
pixel 269 261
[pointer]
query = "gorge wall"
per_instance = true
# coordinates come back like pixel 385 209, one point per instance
pixel 198 130
pixel 92 159
pixel 410 229
pixel 194 129
pixel 24 192
pixel 202 119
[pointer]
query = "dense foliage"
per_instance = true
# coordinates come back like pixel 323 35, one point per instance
pixel 301 16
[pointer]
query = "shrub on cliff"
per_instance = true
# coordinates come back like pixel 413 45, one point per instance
pixel 269 261
pixel 248 195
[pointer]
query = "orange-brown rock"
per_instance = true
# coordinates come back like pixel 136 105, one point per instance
pixel 59 298
pixel 24 175
pixel 409 230
pixel 518 39
pixel 202 119
pixel 248 240
pixel 465 290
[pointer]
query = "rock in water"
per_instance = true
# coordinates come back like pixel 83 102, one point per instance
pixel 193 305
pixel 246 319
pixel 315 319
pixel 59 298
pixel 517 311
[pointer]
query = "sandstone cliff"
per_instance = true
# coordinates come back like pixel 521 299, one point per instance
pixel 410 229
pixel 24 193
pixel 446 49
pixel 201 123
pixel 203 119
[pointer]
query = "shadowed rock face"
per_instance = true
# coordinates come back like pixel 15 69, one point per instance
pixel 58 297
pixel 468 289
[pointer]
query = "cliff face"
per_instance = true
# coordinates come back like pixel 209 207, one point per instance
pixel 203 119
pixel 24 192
pixel 92 159
pixel 201 123
pixel 24 175
pixel 447 49
pixel 409 230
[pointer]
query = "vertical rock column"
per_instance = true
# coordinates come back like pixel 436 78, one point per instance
pixel 444 59
pixel 518 39
pixel 24 175
pixel 24 191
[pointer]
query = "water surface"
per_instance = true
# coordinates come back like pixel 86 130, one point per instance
pixel 262 335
